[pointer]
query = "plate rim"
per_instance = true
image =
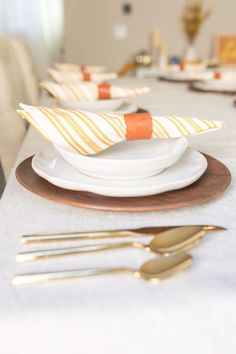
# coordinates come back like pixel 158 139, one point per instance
pixel 151 190
pixel 161 202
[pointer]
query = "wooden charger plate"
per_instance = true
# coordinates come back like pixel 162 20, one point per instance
pixel 211 185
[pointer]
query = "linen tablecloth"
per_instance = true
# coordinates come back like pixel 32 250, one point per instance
pixel 194 312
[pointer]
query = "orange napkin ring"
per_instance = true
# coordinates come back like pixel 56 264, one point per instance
pixel 104 91
pixel 86 76
pixel 83 68
pixel 182 66
pixel 139 126
pixel 217 75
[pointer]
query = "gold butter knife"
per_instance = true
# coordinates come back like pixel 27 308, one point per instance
pixel 108 234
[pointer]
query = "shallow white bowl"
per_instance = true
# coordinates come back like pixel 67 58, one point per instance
pixel 129 159
pixel 93 106
pixel 51 166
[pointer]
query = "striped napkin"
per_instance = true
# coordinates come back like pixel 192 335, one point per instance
pixel 89 91
pixel 89 133
pixel 75 76
pixel 75 67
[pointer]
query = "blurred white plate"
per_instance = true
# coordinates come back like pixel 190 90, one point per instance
pixel 216 85
pixel 93 106
pixel 51 166
pixel 128 159
pixel 178 76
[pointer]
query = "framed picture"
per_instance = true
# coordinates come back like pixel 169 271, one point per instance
pixel 225 49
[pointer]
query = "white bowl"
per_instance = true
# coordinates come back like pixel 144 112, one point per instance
pixel 129 159
pixel 94 105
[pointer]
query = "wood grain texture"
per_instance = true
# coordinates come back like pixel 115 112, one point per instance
pixel 212 184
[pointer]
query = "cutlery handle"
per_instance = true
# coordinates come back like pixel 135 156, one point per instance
pixel 55 237
pixel 61 252
pixel 37 278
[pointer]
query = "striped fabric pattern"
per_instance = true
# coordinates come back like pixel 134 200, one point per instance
pixel 87 91
pixel 88 133
pixel 75 76
pixel 75 67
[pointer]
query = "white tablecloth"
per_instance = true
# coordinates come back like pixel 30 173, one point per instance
pixel 194 312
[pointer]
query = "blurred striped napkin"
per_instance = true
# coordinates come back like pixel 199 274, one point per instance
pixel 89 91
pixel 74 76
pixel 75 67
pixel 88 133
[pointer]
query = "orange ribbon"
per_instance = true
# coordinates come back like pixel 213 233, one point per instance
pixel 139 126
pixel 83 68
pixel 104 91
pixel 217 75
pixel 182 66
pixel 86 76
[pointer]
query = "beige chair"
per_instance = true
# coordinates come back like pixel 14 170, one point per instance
pixel 23 59
pixel 12 68
pixel 12 128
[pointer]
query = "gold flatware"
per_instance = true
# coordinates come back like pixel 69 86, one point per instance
pixel 170 241
pixel 76 236
pixel 153 270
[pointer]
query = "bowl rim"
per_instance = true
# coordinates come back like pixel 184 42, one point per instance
pixel 147 159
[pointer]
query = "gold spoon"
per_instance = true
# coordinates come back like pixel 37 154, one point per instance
pixel 165 243
pixel 109 234
pixel 153 270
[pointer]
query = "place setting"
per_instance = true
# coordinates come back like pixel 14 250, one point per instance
pixel 91 96
pixel 183 72
pixel 218 81
pixel 120 162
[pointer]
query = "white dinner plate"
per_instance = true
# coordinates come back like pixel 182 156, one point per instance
pixel 93 105
pixel 128 159
pixel 51 166
pixel 216 85
pixel 179 76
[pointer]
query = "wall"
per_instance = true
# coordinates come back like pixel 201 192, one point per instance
pixel 89 25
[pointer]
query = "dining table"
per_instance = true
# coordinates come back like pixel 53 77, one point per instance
pixel 192 312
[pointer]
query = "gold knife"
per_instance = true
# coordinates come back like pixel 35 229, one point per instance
pixel 107 234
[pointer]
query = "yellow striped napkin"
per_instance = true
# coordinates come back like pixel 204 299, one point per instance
pixel 88 91
pixel 75 76
pixel 75 67
pixel 88 133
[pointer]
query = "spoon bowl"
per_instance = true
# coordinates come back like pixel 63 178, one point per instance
pixel 174 240
pixel 160 268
